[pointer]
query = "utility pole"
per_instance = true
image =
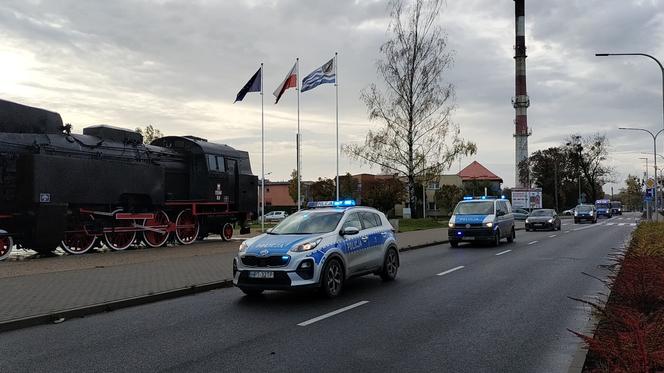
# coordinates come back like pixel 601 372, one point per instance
pixel 648 215
pixel 555 183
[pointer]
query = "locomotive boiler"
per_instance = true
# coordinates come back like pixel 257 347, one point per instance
pixel 78 191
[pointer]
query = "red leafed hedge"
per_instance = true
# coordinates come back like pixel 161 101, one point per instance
pixel 630 333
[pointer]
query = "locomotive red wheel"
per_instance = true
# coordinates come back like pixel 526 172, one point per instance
pixel 6 246
pixel 122 235
pixel 160 222
pixel 186 227
pixel 227 232
pixel 77 240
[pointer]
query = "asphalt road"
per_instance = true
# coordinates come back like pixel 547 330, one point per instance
pixel 471 309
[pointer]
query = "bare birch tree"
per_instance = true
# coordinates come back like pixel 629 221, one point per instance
pixel 416 137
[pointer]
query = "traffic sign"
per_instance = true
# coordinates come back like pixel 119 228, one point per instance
pixel 650 183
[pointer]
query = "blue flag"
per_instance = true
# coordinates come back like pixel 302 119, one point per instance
pixel 253 85
pixel 324 74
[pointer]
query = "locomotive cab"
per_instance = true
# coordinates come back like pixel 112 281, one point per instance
pixel 220 178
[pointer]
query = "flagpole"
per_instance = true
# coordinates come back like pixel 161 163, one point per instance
pixel 336 86
pixel 262 156
pixel 299 178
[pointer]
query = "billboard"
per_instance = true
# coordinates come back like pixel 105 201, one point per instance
pixel 526 198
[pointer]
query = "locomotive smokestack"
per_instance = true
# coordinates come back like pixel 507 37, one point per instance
pixel 521 101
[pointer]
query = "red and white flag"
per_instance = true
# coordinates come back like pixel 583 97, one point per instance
pixel 289 82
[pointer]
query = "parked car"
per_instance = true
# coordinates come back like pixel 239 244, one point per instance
pixel 585 213
pixel 543 219
pixel 520 214
pixel 569 212
pixel 275 216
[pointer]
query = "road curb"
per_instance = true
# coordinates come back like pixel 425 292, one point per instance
pixel 53 317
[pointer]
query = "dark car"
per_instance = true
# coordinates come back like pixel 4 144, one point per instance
pixel 616 208
pixel 543 219
pixel 585 213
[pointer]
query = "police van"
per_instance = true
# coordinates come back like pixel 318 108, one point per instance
pixel 320 247
pixel 484 219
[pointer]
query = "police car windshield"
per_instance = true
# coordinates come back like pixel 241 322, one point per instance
pixel 309 222
pixel 474 208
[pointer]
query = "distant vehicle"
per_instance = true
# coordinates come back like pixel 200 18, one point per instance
pixel 520 214
pixel 318 248
pixel 275 216
pixel 543 219
pixel 569 212
pixel 585 213
pixel 603 208
pixel 484 219
pixel 616 208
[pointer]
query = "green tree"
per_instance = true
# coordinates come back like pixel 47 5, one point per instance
pixel 149 133
pixel 631 196
pixel 416 137
pixel 383 194
pixel 448 196
pixel 347 187
pixel 323 190
pixel 292 186
pixel 588 156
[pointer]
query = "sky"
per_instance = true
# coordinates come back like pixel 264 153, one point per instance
pixel 177 65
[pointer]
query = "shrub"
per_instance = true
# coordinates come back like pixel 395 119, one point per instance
pixel 630 331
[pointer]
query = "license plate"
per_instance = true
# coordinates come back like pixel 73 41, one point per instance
pixel 468 238
pixel 538 224
pixel 261 274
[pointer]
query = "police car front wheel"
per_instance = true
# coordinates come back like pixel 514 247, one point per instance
pixel 496 238
pixel 333 278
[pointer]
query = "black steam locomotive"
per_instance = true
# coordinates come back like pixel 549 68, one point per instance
pixel 76 191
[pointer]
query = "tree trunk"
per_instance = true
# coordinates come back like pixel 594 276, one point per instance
pixel 412 197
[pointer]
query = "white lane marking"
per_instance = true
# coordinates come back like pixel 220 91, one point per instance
pixel 553 235
pixel 566 224
pixel 567 231
pixel 621 224
pixel 330 314
pixel 503 252
pixel 610 223
pixel 632 224
pixel 450 271
pixel 532 243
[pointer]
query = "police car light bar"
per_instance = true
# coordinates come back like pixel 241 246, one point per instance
pixel 470 198
pixel 320 204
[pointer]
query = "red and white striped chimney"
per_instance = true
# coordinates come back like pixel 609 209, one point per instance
pixel 521 101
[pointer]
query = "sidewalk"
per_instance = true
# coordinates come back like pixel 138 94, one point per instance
pixel 48 289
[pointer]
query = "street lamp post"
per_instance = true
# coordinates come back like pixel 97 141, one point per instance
pixel 654 144
pixel 661 68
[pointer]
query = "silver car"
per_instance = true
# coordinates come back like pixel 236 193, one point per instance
pixel 319 248
pixel 275 216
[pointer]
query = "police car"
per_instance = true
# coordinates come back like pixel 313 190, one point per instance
pixel 485 219
pixel 319 247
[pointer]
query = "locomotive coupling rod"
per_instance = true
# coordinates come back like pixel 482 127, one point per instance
pixel 151 229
